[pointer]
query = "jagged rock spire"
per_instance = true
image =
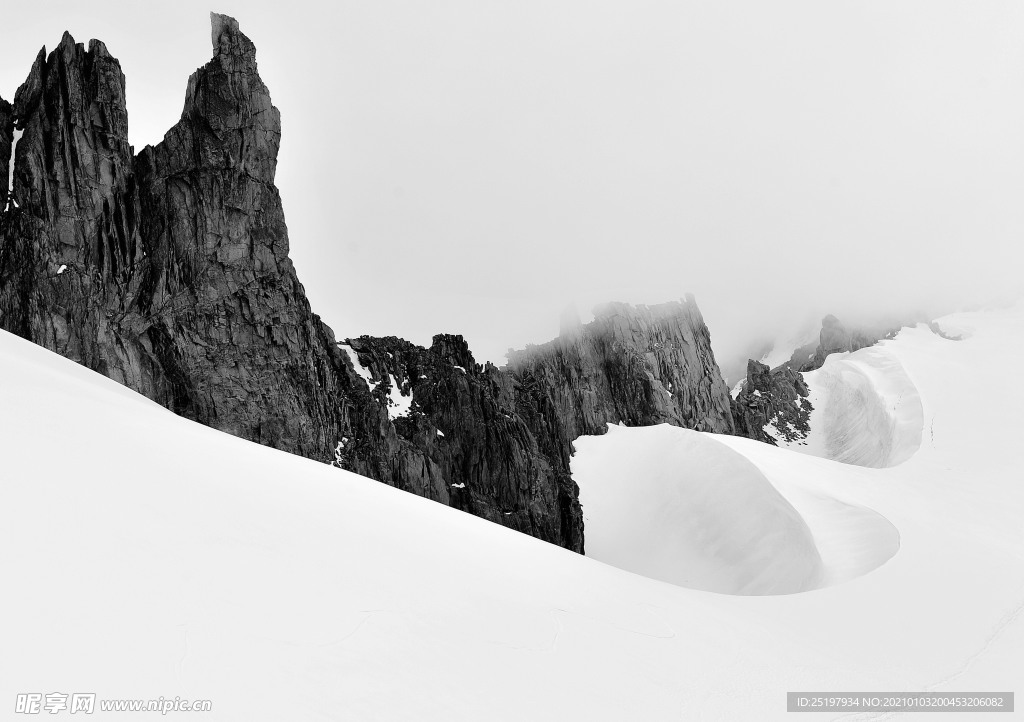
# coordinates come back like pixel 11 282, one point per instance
pixel 227 38
pixel 169 272
pixel 74 226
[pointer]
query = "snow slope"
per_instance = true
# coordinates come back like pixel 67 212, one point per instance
pixel 686 508
pixel 692 509
pixel 144 556
pixel 867 410
pixel 679 506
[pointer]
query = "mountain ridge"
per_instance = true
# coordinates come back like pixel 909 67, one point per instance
pixel 169 272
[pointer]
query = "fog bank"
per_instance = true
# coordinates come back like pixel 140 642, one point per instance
pixel 474 168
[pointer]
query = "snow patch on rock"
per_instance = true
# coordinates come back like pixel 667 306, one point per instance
pixel 398 405
pixel 10 171
pixel 363 372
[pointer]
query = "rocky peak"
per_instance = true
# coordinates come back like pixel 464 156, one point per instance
pixel 632 364
pixel 74 159
pixel 499 440
pixel 835 337
pixel 772 405
pixel 453 349
pixel 69 241
pixel 169 272
pixel 228 40
pixel 228 120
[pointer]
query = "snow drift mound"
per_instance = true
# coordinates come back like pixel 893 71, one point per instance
pixel 867 411
pixel 676 505
pixel 148 555
pixel 852 538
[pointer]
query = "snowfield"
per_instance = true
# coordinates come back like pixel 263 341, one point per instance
pixel 715 513
pixel 679 506
pixel 867 410
pixel 146 556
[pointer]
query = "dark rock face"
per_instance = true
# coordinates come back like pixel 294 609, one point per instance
pixel 772 403
pixel 772 398
pixel 6 139
pixel 227 319
pixel 836 338
pixel 802 356
pixel 478 452
pixel 70 236
pixel 169 272
pixel 636 365
pixel 497 442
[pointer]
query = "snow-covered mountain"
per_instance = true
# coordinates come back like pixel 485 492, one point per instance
pixel 146 556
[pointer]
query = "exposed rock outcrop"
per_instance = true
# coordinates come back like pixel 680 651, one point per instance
pixel 498 440
pixel 479 453
pixel 635 365
pixel 837 338
pixel 772 405
pixel 938 331
pixel 169 272
pixel 227 318
pixel 802 356
pixel 70 236
pixel 6 140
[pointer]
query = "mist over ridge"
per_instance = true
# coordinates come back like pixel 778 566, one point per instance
pixel 475 170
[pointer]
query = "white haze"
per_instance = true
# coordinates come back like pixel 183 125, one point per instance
pixel 475 167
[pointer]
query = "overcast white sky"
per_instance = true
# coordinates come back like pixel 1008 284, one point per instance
pixel 473 167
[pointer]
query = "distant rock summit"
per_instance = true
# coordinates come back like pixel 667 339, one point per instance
pixel 168 271
pixel 772 404
pixel 496 441
pixel 837 338
pixel 636 365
